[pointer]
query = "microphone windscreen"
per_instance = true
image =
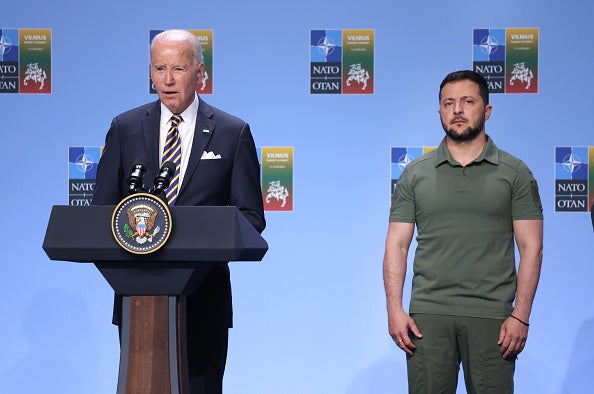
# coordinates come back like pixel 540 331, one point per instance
pixel 169 165
pixel 139 162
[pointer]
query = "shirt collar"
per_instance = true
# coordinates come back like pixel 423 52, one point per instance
pixel 489 154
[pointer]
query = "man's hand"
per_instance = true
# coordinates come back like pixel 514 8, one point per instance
pixel 400 325
pixel 512 337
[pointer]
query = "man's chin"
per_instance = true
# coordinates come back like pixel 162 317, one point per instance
pixel 468 134
pixel 170 103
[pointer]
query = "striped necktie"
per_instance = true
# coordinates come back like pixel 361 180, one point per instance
pixel 172 152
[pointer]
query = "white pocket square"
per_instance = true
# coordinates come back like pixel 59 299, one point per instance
pixel 209 156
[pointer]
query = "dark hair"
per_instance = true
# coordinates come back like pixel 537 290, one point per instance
pixel 463 75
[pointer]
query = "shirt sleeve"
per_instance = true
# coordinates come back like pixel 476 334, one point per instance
pixel 402 208
pixel 526 203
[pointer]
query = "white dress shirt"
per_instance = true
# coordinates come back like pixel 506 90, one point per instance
pixel 186 133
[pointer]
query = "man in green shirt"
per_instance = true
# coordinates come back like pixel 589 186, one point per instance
pixel 469 200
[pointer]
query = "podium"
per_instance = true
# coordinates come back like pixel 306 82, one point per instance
pixel 153 354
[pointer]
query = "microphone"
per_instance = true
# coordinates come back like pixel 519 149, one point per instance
pixel 136 177
pixel 163 180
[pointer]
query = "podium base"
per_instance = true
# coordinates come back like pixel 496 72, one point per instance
pixel 153 356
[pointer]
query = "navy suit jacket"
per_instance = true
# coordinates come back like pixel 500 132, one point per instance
pixel 234 179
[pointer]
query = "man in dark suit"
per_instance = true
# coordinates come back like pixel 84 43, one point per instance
pixel 219 166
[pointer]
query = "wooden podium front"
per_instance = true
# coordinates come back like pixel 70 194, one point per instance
pixel 155 351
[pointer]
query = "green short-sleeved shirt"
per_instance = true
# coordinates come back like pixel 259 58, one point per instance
pixel 465 262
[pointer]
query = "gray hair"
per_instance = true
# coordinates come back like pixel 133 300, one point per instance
pixel 181 35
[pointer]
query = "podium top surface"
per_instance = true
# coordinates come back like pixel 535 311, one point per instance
pixel 203 233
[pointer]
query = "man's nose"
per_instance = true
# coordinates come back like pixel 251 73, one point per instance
pixel 169 77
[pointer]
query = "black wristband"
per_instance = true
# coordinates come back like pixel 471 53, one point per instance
pixel 523 322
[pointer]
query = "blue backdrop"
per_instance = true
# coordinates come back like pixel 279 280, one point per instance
pixel 310 318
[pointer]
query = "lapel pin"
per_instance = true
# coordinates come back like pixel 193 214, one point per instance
pixel 205 130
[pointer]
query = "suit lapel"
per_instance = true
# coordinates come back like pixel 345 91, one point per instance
pixel 203 132
pixel 151 130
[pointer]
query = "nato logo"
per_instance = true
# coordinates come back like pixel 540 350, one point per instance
pixel 9 61
pixel 488 46
pixel 82 162
pixel 82 172
pixel 9 45
pixel 325 61
pixel 571 179
pixel 326 46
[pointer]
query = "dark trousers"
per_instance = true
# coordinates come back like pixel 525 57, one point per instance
pixel 207 356
pixel 450 340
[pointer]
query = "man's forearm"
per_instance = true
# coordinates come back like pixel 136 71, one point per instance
pixel 528 277
pixel 394 276
pixel 529 236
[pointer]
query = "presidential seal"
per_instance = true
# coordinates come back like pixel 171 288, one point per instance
pixel 141 223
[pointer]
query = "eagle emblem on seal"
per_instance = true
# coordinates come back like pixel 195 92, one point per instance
pixel 141 223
